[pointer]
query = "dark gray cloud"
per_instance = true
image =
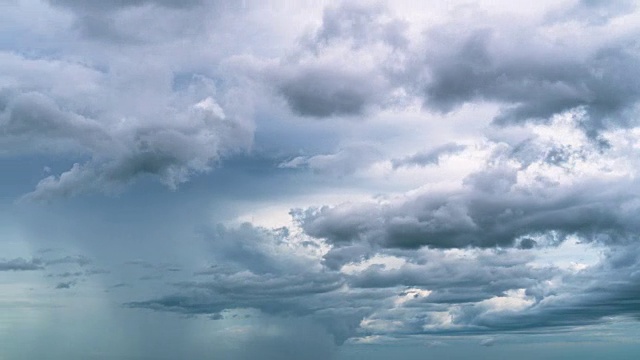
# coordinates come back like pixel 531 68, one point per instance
pixel 534 82
pixel 66 284
pixel 260 269
pixel 272 294
pixel 460 219
pixel 478 58
pixel 587 297
pixel 280 295
pixel 486 275
pixel 324 92
pixel 491 209
pixel 338 256
pixel 527 243
pixel 434 292
pixel 171 152
pixel 610 291
pixel 27 115
pixel 20 264
pixel 317 81
pixel 336 301
pixel 141 127
pixel 530 228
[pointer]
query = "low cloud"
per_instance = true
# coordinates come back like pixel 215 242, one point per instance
pixel 510 198
pixel 20 264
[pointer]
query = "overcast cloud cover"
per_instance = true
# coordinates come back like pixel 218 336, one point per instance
pixel 319 180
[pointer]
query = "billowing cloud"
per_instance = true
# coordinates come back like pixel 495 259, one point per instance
pixel 256 268
pixel 171 154
pixel 431 291
pixel 170 143
pixel 473 58
pixel 482 65
pixel 366 173
pixel 511 198
pixel 342 69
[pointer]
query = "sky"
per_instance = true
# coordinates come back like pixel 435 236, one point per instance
pixel 205 179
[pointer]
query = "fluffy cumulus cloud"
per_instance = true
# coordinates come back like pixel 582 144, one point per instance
pixel 65 107
pixel 367 173
pixel 556 168
pixel 467 260
pixel 550 74
pixel 345 67
pixel 363 56
pixel 529 188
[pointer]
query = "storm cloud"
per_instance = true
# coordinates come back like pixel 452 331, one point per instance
pixel 483 65
pixel 318 181
pixel 342 68
pixel 170 144
pixel 510 199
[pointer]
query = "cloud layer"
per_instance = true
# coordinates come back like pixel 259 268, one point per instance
pixel 333 175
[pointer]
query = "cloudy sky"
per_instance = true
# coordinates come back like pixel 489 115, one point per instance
pixel 204 179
